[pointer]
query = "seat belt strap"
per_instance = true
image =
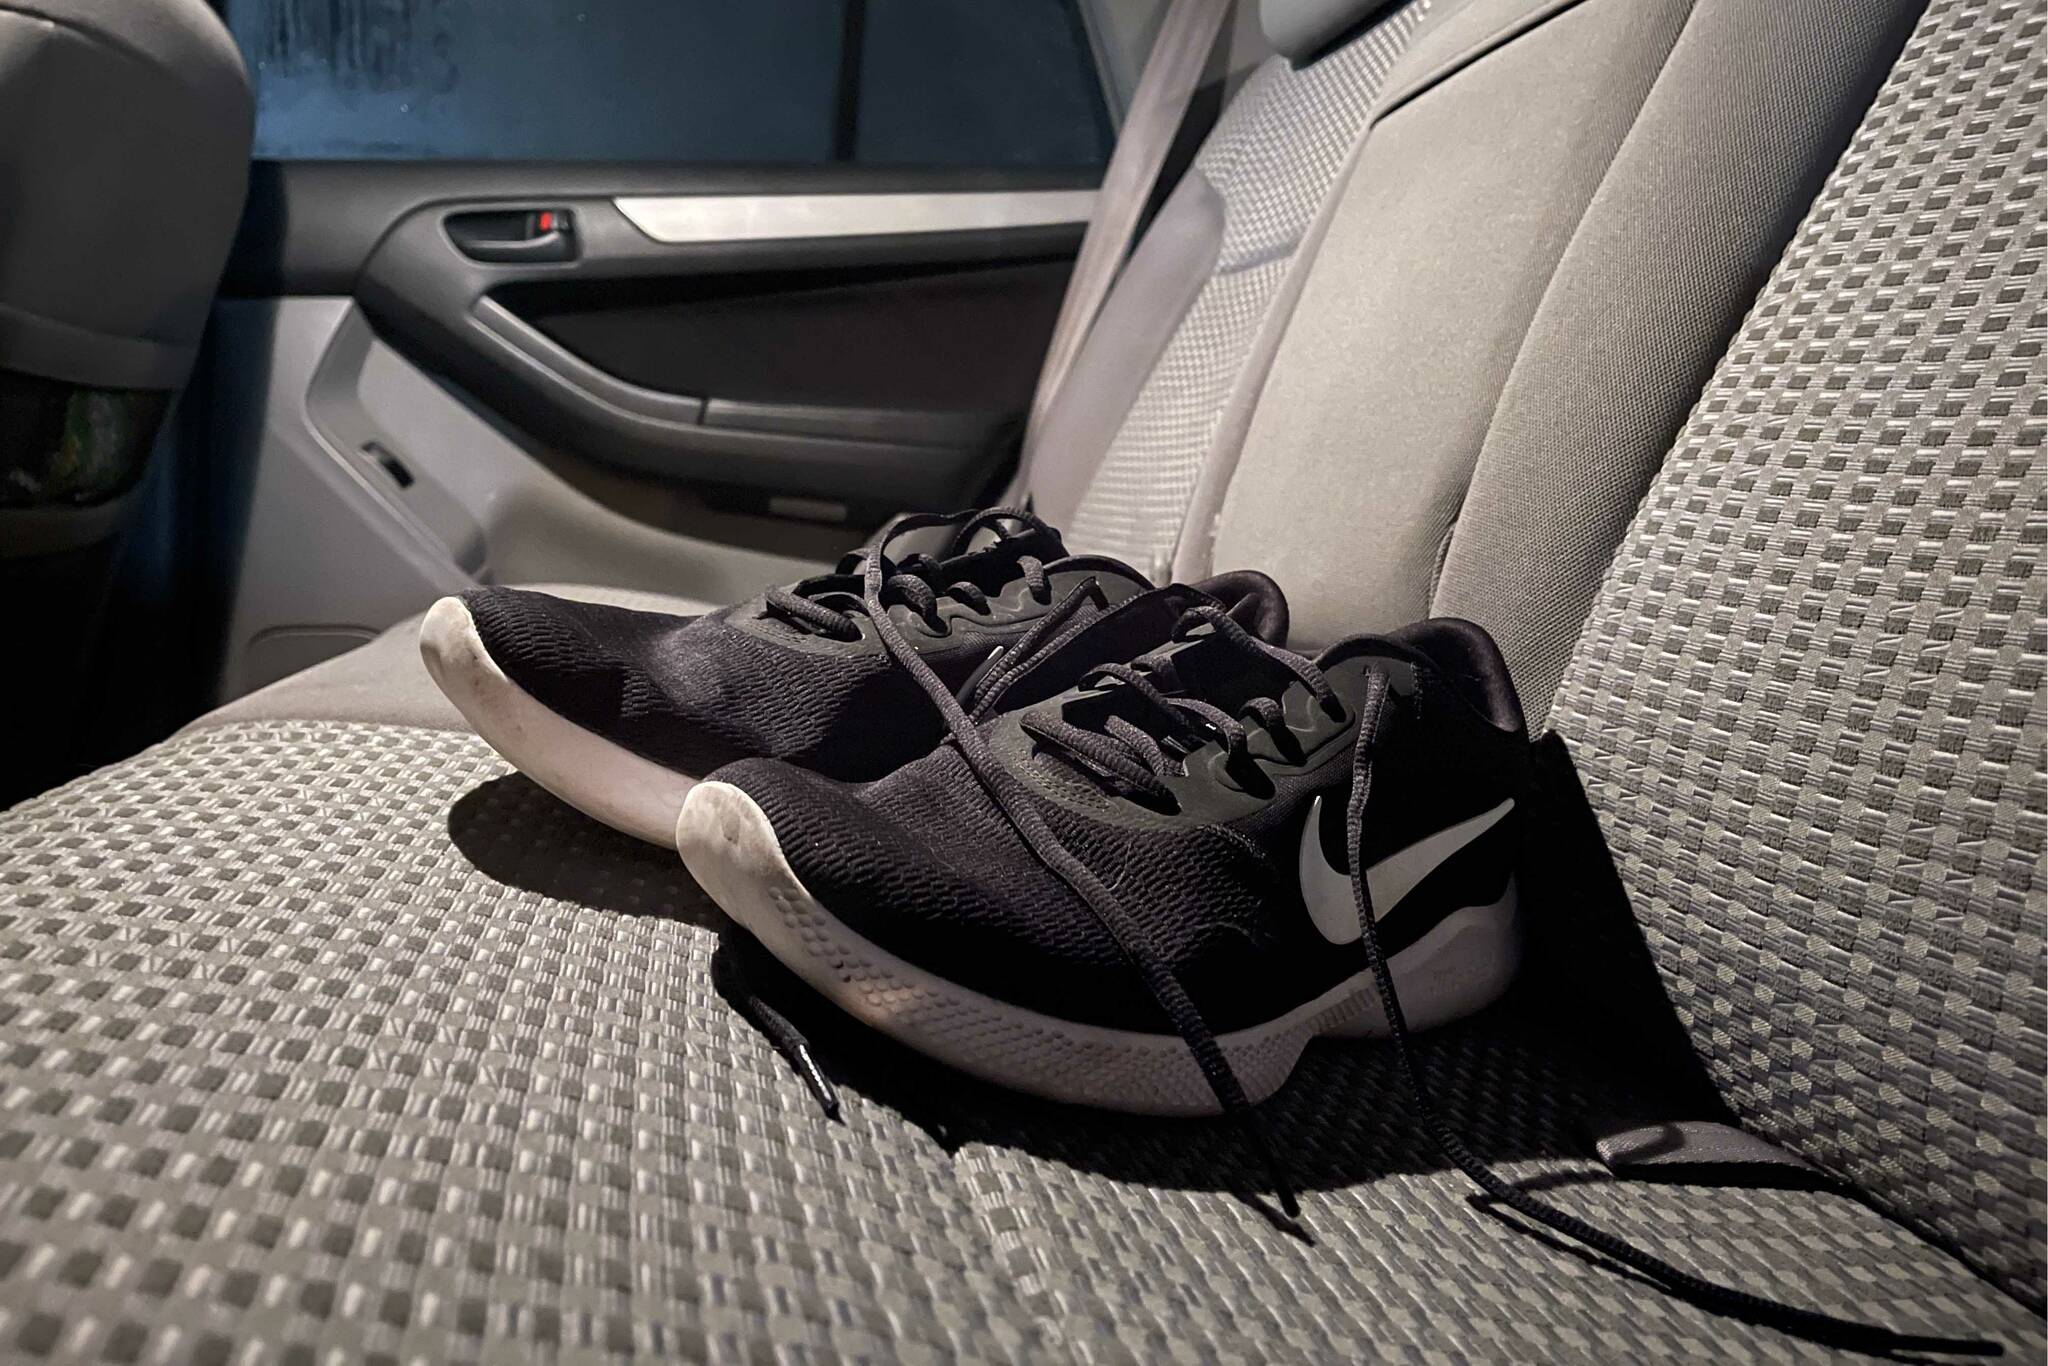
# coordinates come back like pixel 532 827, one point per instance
pixel 1173 72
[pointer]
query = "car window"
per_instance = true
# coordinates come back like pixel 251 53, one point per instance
pixel 903 82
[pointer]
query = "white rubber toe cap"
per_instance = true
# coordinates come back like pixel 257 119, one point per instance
pixel 603 780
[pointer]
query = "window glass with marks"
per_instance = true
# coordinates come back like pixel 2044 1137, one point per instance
pixel 769 82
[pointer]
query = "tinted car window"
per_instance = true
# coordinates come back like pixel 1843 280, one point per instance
pixel 924 82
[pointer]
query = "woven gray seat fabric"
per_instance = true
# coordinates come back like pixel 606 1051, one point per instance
pixel 358 1043
pixel 1808 703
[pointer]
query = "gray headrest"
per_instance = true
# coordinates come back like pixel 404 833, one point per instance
pixel 1301 29
pixel 122 172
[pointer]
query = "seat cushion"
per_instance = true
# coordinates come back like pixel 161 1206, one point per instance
pixel 386 680
pixel 325 1037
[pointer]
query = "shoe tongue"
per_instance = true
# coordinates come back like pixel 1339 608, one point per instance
pixel 1226 677
pixel 979 530
pixel 1126 631
pixel 1254 602
pixel 1204 665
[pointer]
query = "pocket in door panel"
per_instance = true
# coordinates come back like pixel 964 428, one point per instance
pixel 962 341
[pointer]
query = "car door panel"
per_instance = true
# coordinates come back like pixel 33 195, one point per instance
pixel 881 358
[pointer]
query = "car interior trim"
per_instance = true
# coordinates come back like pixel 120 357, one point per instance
pixel 773 218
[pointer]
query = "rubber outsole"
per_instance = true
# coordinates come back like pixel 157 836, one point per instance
pixel 730 847
pixel 603 780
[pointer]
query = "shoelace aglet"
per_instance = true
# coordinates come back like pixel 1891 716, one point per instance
pixel 814 1077
pixel 781 1033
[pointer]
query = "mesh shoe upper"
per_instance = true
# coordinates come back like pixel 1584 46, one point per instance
pixel 693 693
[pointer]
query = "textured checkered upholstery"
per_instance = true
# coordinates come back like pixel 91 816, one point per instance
pixel 1272 158
pixel 1809 702
pixel 326 1041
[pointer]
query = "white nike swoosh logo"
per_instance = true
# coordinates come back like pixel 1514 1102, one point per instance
pixel 1327 892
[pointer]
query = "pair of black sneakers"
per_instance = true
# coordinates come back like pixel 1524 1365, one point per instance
pixel 1031 815
pixel 1085 837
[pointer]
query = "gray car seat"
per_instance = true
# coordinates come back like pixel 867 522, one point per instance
pixel 328 1035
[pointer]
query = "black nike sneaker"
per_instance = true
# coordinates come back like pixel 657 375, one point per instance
pixel 617 712
pixel 1220 786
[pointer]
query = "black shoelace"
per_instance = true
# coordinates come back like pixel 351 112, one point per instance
pixel 1132 759
pixel 915 581
pixel 730 974
pixel 911 582
pixel 1128 755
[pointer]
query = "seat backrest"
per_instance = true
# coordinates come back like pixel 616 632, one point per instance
pixel 1807 706
pixel 1421 324
pixel 1550 229
pixel 1128 433
pixel 120 185
pixel 1750 113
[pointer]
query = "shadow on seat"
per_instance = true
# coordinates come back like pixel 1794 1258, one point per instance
pixel 516 832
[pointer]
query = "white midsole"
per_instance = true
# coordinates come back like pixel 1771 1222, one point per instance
pixel 603 780
pixel 729 846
